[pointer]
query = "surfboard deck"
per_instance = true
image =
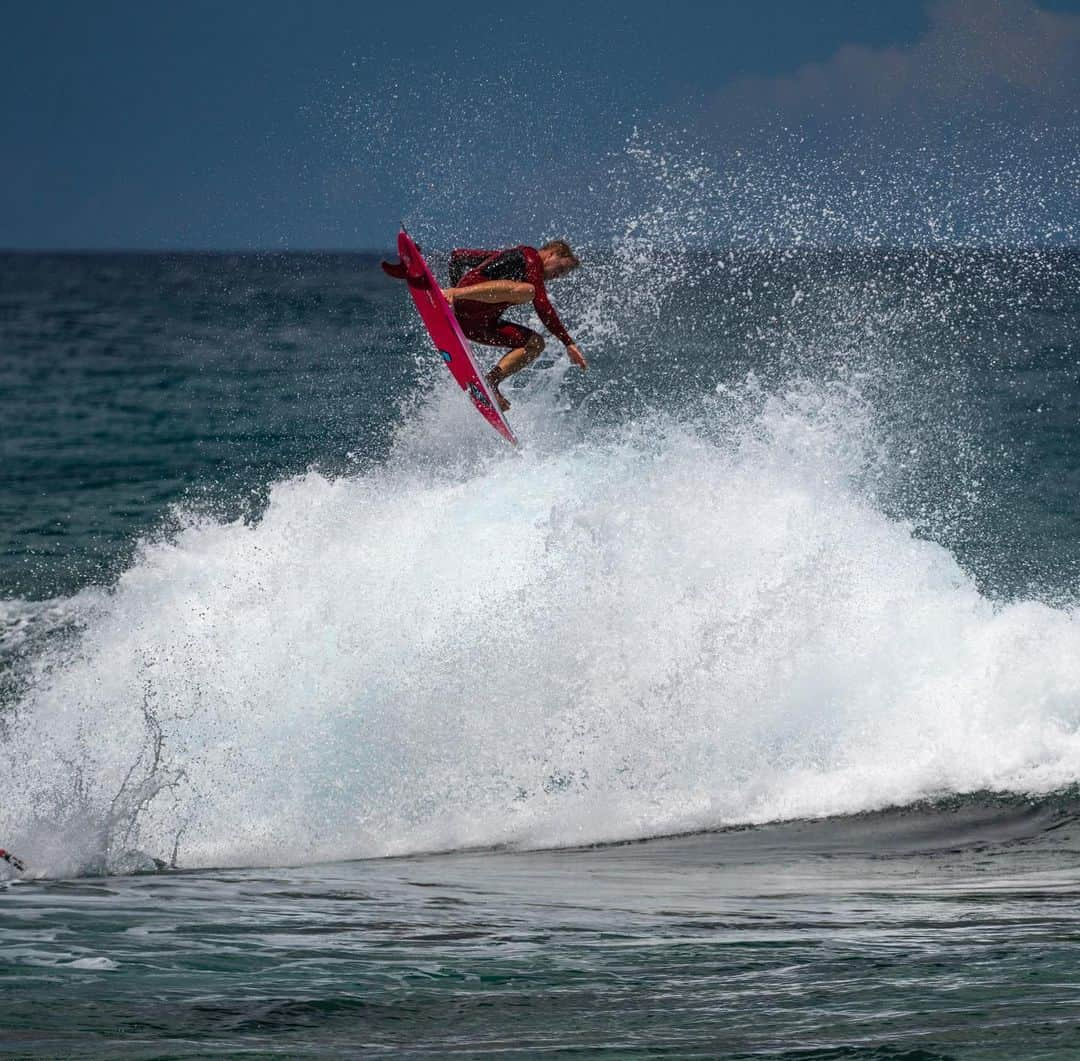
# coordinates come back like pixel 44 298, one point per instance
pixel 445 332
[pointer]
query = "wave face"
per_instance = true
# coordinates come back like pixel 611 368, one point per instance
pixel 700 615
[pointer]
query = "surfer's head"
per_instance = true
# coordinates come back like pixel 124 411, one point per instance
pixel 558 259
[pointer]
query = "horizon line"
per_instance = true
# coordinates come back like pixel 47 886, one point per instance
pixel 377 251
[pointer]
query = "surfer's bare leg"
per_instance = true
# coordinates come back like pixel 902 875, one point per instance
pixel 513 362
pixel 508 292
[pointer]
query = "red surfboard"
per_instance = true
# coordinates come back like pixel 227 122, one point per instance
pixel 445 332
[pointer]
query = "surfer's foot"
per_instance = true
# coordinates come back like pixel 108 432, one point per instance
pixel 493 378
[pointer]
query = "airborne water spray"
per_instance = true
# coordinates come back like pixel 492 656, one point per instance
pixel 704 599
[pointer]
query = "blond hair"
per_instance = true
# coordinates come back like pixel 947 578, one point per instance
pixel 563 250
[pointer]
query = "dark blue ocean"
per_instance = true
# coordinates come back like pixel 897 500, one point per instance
pixel 736 713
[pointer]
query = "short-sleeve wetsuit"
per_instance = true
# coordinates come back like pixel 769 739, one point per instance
pixel 482 321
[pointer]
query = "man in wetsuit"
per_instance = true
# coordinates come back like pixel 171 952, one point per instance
pixel 487 283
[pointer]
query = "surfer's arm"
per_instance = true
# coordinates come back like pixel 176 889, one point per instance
pixel 550 318
pixel 546 312
pixel 534 274
pixel 497 292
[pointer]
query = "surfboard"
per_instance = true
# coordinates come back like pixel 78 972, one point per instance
pixel 445 332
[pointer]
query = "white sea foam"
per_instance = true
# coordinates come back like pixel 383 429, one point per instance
pixel 96 964
pixel 672 626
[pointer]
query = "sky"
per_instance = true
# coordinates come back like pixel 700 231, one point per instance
pixel 277 125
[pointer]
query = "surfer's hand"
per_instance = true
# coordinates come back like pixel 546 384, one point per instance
pixel 449 293
pixel 576 356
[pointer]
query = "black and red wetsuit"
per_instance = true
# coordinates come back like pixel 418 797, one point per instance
pixel 482 321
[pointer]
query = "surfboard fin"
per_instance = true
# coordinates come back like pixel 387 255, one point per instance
pixel 399 271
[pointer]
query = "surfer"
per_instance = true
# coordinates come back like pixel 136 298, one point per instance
pixel 12 860
pixel 486 283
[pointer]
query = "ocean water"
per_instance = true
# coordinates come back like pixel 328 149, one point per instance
pixel 735 713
